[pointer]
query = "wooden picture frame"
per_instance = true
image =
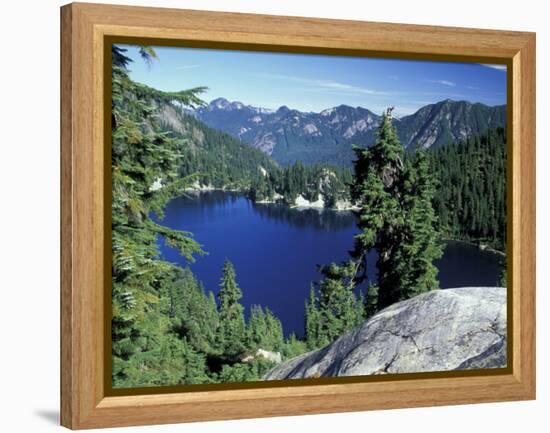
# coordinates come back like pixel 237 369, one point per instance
pixel 85 32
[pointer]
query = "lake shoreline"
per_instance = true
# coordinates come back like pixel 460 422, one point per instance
pixel 482 247
pixel 341 205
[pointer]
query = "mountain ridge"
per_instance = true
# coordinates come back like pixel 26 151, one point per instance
pixel 288 134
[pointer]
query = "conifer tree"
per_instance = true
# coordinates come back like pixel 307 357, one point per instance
pixel 264 330
pixel 194 314
pixel 231 331
pixel 257 328
pixel 313 324
pixel 377 190
pixel 419 243
pixel 275 338
pixel 336 309
pixel 396 218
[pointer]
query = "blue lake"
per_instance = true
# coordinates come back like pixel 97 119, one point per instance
pixel 276 250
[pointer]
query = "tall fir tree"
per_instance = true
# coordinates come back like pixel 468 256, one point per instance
pixel 419 243
pixel 377 191
pixel 313 324
pixel 396 218
pixel 232 330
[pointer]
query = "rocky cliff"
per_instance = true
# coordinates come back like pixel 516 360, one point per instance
pixel 442 330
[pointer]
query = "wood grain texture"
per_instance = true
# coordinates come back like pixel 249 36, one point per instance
pixel 84 403
pixel 67 386
pixel 524 333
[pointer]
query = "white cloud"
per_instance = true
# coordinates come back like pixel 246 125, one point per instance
pixel 498 67
pixel 443 82
pixel 326 84
pixel 182 67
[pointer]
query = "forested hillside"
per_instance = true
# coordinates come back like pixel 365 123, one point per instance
pixel 448 121
pixel 220 161
pixel 470 198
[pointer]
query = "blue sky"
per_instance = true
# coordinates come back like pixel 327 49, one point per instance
pixel 315 82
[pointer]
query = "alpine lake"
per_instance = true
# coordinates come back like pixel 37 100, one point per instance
pixel 277 250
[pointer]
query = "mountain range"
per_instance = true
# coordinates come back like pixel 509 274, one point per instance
pixel 289 135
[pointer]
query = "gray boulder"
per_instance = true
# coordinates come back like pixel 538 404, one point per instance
pixel 452 329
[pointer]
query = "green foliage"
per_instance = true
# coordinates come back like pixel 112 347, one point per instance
pixel 119 59
pixel 446 120
pixel 144 351
pixel 417 243
pixel 335 309
pixel 148 54
pixel 231 331
pixel 168 360
pixel 218 160
pixel 396 218
pixel 471 196
pixel 221 161
pixel 294 347
pixel 264 330
pixel 192 313
pixel 371 300
pixel 336 129
pixel 199 154
pixel 307 181
pixel 215 158
pixel 244 372
pixel 314 330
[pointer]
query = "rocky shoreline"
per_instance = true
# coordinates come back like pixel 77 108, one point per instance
pixel 300 202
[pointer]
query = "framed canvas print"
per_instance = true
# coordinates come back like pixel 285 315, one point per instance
pixel 270 216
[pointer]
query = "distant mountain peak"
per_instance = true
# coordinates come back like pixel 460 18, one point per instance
pixel 289 135
pixel 328 111
pixel 224 104
pixel 237 105
pixel 219 103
